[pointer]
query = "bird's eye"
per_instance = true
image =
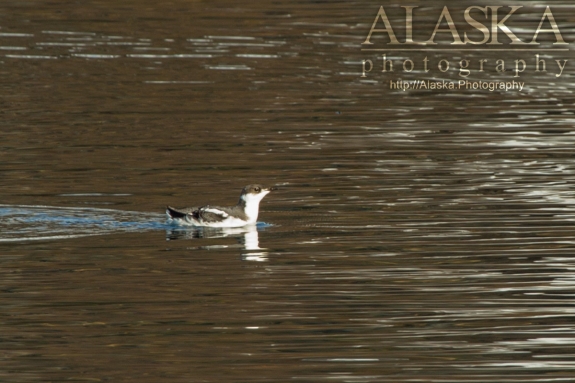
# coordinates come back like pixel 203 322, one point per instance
pixel 257 190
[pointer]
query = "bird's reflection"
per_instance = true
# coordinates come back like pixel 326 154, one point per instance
pixel 247 237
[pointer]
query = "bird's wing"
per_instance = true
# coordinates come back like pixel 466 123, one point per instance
pixel 180 213
pixel 204 214
pixel 211 214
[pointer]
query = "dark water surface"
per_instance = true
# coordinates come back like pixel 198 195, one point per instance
pixel 417 236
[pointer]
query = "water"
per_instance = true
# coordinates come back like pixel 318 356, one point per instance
pixel 417 236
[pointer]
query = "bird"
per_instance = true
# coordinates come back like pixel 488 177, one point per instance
pixel 243 214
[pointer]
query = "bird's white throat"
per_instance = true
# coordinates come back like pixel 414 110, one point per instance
pixel 252 204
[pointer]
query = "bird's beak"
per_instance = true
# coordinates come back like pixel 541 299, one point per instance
pixel 272 188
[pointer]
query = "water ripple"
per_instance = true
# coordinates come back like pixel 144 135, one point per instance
pixel 31 222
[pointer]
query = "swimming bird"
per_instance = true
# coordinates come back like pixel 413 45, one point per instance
pixel 243 214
